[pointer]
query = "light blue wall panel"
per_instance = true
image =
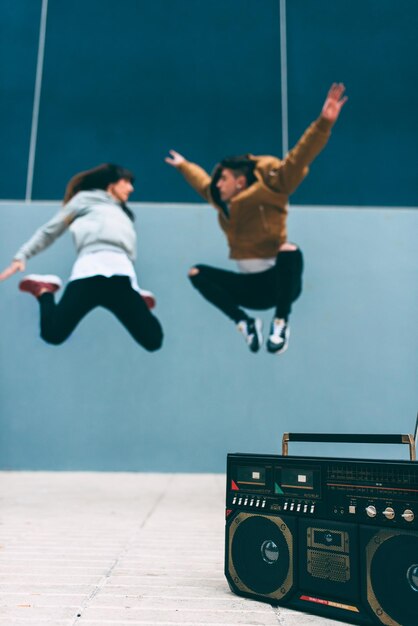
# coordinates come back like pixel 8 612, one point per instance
pixel 99 402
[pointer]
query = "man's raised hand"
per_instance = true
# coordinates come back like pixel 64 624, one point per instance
pixel 175 159
pixel 334 102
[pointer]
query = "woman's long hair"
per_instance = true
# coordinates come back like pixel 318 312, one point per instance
pixel 99 177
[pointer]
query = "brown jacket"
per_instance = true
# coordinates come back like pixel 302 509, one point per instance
pixel 256 224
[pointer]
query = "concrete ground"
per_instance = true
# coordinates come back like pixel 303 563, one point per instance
pixel 120 548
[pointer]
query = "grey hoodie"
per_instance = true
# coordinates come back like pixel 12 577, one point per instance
pixel 96 221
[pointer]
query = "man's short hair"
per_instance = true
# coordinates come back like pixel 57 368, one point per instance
pixel 240 166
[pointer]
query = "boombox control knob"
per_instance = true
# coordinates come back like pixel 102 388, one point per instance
pixel 408 515
pixel 371 511
pixel 389 513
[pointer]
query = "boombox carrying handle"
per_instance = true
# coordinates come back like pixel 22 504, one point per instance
pixel 329 438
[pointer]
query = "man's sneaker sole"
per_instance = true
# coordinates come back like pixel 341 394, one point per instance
pixel 253 339
pixel 259 335
pixel 272 347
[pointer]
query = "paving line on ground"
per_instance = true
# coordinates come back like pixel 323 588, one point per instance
pixel 110 585
pixel 128 545
pixel 51 568
pixel 191 577
pixel 140 608
pixel 159 609
pixel 47 560
pixel 138 596
pixel 33 596
pixel 68 622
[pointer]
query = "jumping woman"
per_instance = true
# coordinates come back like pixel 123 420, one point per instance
pixel 102 227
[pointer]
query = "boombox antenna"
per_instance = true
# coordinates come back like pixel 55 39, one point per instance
pixel 416 432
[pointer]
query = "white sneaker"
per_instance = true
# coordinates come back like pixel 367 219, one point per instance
pixel 278 340
pixel 251 329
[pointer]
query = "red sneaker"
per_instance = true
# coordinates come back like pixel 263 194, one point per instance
pixel 37 284
pixel 148 297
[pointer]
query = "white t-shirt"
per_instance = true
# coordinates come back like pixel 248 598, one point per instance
pixel 252 266
pixel 104 263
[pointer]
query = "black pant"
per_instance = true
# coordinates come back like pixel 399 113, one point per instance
pixel 276 287
pixel 58 320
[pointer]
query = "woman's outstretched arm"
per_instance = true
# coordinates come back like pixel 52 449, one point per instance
pixel 41 239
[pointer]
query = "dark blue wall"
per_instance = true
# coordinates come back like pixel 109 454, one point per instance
pixel 127 81
pixel 371 46
pixel 128 85
pixel 19 32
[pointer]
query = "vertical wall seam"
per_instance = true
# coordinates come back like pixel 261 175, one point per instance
pixel 36 101
pixel 283 77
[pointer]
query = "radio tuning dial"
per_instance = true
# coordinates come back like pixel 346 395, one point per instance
pixel 408 515
pixel 389 513
pixel 371 511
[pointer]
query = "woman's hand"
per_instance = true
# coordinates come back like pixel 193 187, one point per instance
pixel 15 266
pixel 176 158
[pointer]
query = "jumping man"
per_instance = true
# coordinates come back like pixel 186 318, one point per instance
pixel 250 194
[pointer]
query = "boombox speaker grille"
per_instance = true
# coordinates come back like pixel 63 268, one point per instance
pixel 392 577
pixel 328 559
pixel 333 567
pixel 260 559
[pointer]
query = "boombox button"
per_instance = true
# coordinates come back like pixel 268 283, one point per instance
pixel 352 509
pixel 263 504
pixel 408 515
pixel 240 501
pixel 298 507
pixel 245 501
pixel 312 509
pixel 252 502
pixel 234 500
pixel 257 503
pixel 389 513
pixel 371 510
pixel 305 508
pixel 285 506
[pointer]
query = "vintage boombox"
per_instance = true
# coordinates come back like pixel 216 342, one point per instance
pixel 334 537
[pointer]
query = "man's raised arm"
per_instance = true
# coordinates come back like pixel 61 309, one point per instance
pixel 194 174
pixel 294 167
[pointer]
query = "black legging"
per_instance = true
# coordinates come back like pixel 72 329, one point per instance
pixel 276 287
pixel 58 320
